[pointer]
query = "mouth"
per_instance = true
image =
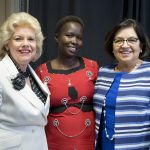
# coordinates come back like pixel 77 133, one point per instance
pixel 72 49
pixel 24 51
pixel 126 51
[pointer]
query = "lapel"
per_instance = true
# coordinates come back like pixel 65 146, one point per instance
pixel 27 92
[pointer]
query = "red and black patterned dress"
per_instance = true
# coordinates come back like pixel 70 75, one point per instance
pixel 71 118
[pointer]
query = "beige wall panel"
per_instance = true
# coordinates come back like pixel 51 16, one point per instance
pixel 7 7
pixel 2 11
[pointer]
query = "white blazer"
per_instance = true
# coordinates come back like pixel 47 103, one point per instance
pixel 22 114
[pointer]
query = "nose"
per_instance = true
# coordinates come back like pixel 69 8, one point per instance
pixel 125 44
pixel 25 43
pixel 74 40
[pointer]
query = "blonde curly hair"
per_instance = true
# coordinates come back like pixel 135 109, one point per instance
pixel 20 19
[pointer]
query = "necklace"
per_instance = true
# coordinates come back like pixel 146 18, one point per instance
pixel 110 107
pixel 106 132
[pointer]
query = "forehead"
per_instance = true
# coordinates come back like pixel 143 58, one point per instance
pixel 71 25
pixel 126 32
pixel 24 30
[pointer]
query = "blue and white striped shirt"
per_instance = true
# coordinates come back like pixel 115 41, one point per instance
pixel 132 115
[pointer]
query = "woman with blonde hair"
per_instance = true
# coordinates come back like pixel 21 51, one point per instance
pixel 24 99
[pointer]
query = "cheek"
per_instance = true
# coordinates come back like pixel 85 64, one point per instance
pixel 115 50
pixel 138 51
pixel 138 47
pixel 116 53
pixel 63 39
pixel 11 46
pixel 34 47
pixel 81 43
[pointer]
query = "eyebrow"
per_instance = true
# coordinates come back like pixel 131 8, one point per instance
pixel 126 38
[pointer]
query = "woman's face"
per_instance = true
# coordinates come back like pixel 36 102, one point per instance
pixel 70 39
pixel 22 45
pixel 126 46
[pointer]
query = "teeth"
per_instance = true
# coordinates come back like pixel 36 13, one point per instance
pixel 72 48
pixel 24 51
pixel 125 52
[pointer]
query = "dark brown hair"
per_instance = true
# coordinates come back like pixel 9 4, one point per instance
pixel 144 41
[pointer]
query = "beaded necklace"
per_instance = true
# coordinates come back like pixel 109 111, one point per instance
pixel 112 94
pixel 106 132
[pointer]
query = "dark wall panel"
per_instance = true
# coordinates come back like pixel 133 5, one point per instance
pixel 98 15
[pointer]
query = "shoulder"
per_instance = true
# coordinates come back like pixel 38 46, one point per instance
pixel 145 67
pixel 42 70
pixel 1 63
pixel 108 68
pixel 41 66
pixel 106 72
pixel 146 64
pixel 6 59
pixel 90 62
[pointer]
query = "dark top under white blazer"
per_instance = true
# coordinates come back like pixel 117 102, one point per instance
pixel 22 114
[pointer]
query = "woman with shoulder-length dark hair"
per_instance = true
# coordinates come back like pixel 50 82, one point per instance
pixel 122 91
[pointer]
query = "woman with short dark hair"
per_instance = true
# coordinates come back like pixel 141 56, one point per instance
pixel 70 78
pixel 122 91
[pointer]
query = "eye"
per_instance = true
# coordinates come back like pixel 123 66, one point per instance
pixel 132 40
pixel 80 37
pixel 118 40
pixel 69 35
pixel 18 39
pixel 31 39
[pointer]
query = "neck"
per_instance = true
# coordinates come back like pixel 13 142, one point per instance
pixel 128 67
pixel 22 67
pixel 68 63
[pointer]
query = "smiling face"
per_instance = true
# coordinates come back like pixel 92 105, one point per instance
pixel 22 46
pixel 127 51
pixel 70 39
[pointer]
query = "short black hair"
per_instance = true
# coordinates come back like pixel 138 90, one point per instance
pixel 65 20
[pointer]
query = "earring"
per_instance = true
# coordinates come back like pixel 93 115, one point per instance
pixel 7 49
pixel 141 51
